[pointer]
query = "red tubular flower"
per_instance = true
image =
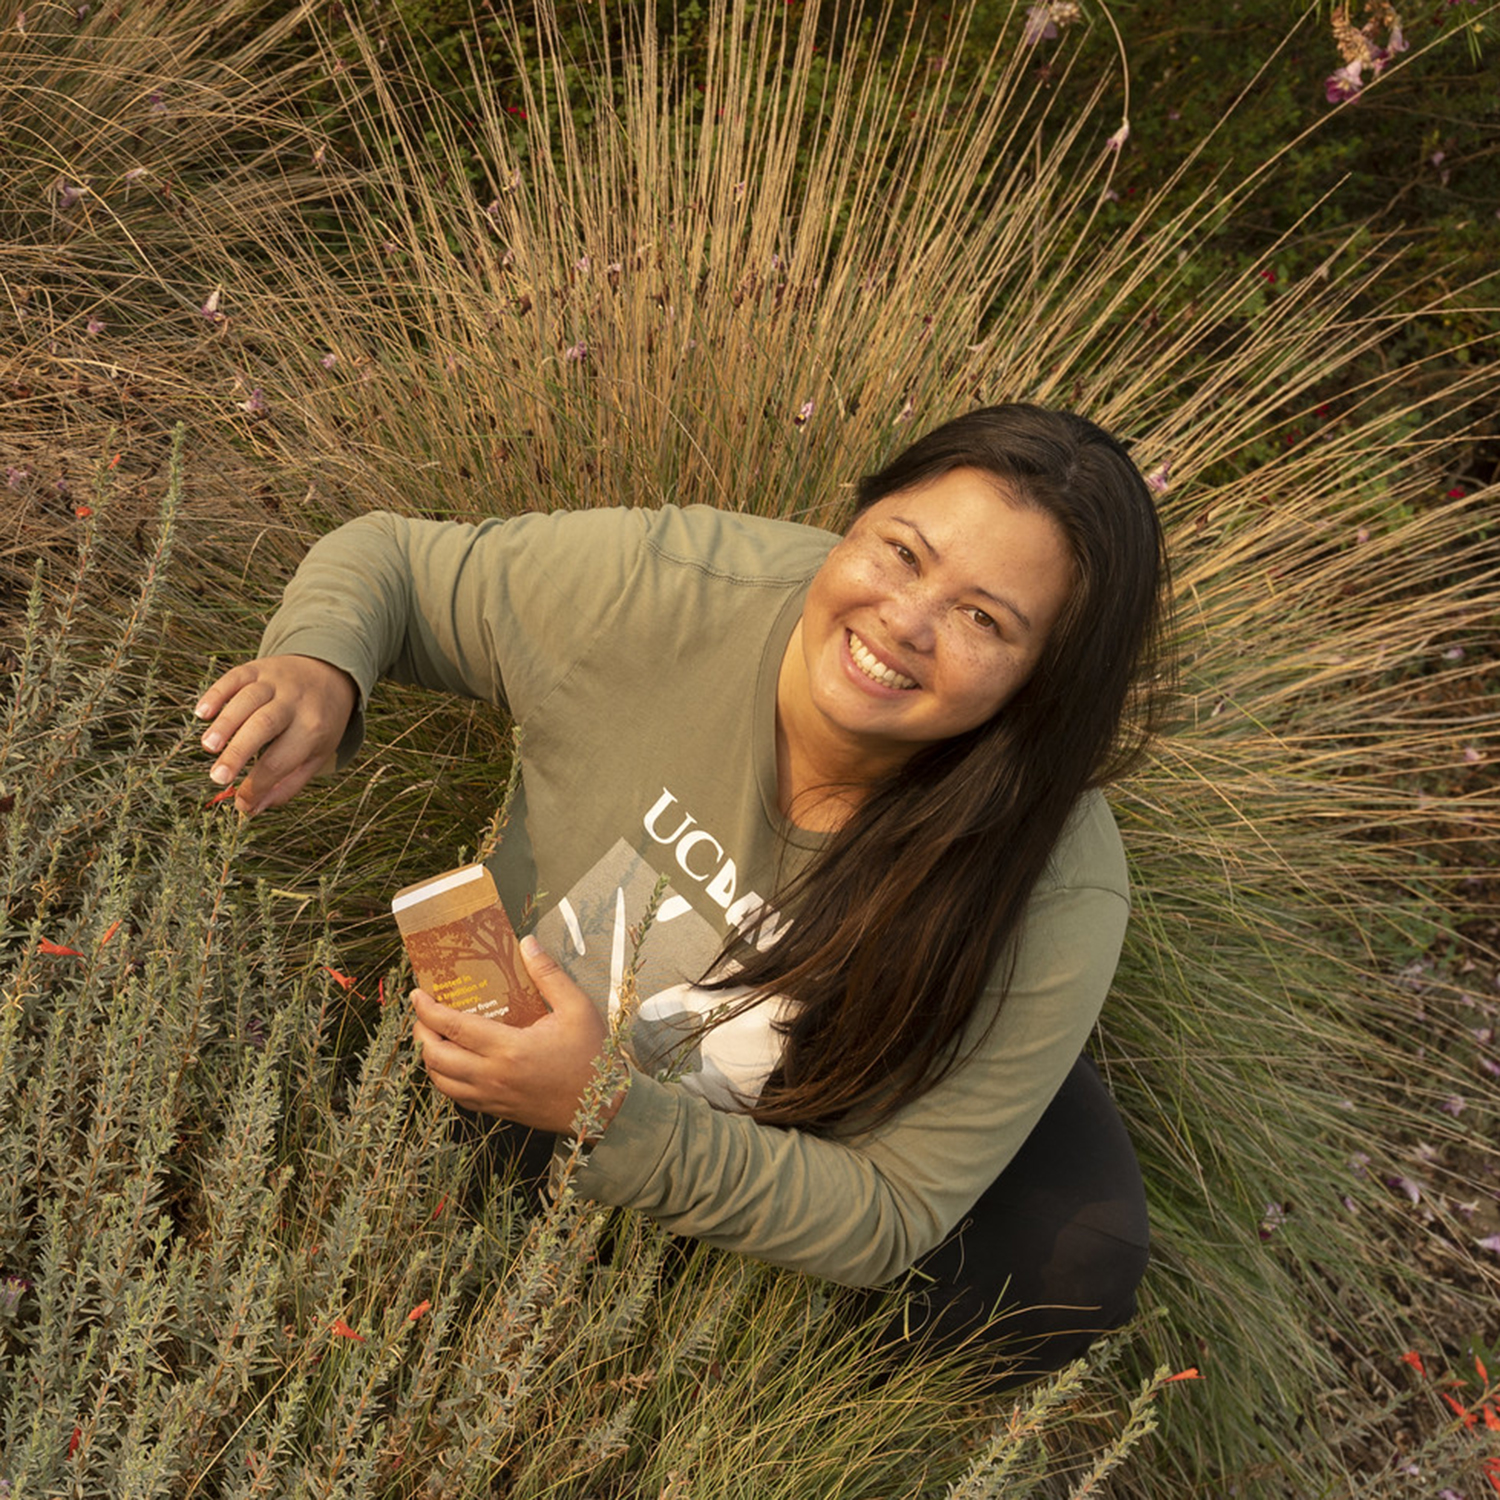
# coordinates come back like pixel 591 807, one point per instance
pixel 1412 1358
pixel 1191 1374
pixel 56 950
pixel 344 981
pixel 342 1330
pixel 1462 1412
pixel 114 927
pixel 418 1310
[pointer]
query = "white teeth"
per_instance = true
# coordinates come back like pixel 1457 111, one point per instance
pixel 873 668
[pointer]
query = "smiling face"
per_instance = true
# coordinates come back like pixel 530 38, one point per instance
pixel 922 622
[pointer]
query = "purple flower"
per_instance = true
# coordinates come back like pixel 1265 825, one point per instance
pixel 1454 1105
pixel 1345 83
pixel 1272 1220
pixel 804 413
pixel 1405 1185
pixel 1040 27
pixel 1046 18
pixel 95 325
pixel 1160 478
pixel 575 354
pixel 210 308
pixel 68 195
pixel 1490 1242
pixel 11 1291
pixel 254 404
pixel 15 478
pixel 329 360
pixel 1119 138
pixel 157 103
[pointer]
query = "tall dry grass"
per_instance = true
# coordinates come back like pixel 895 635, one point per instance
pixel 744 277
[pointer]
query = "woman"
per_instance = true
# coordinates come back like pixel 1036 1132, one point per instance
pixel 868 769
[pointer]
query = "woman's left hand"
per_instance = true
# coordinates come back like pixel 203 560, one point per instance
pixel 534 1075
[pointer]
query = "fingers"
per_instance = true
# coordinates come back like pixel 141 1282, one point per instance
pixel 552 980
pixel 284 713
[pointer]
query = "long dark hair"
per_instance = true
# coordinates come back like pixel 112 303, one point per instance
pixel 902 919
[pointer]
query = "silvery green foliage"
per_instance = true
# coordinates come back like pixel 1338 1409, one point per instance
pixel 245 1250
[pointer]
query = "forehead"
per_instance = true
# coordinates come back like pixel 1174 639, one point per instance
pixel 968 507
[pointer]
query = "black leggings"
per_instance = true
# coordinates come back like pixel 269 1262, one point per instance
pixel 1056 1245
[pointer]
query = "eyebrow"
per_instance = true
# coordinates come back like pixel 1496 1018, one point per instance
pixel 1005 604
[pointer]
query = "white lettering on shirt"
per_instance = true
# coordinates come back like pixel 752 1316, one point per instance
pixel 751 913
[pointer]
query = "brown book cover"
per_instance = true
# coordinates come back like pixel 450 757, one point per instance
pixel 463 949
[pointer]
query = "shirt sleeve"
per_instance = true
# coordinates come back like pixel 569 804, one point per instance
pixel 492 611
pixel 862 1209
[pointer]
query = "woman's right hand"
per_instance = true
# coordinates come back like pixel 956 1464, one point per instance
pixel 287 714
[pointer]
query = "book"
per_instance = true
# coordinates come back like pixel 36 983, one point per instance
pixel 463 949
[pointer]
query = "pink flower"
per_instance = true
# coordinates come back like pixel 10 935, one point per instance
pixel 95 325
pixel 254 405
pixel 329 360
pixel 575 354
pixel 1159 480
pixel 1490 1242
pixel 1118 139
pixel 804 413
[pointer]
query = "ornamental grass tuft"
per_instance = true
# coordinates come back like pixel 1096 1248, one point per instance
pixel 258 279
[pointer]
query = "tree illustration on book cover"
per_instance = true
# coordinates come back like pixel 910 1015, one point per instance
pixel 463 949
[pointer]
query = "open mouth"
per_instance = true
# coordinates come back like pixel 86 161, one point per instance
pixel 873 667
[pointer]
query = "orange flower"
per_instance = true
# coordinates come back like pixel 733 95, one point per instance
pixel 1491 1420
pixel 114 927
pixel 344 981
pixel 418 1310
pixel 342 1330
pixel 1190 1374
pixel 1412 1358
pixel 219 797
pixel 56 950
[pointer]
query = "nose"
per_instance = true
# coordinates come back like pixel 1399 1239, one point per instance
pixel 909 614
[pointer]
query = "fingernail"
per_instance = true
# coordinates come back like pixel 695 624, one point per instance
pixel 213 741
pixel 201 712
pixel 221 775
pixel 530 948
